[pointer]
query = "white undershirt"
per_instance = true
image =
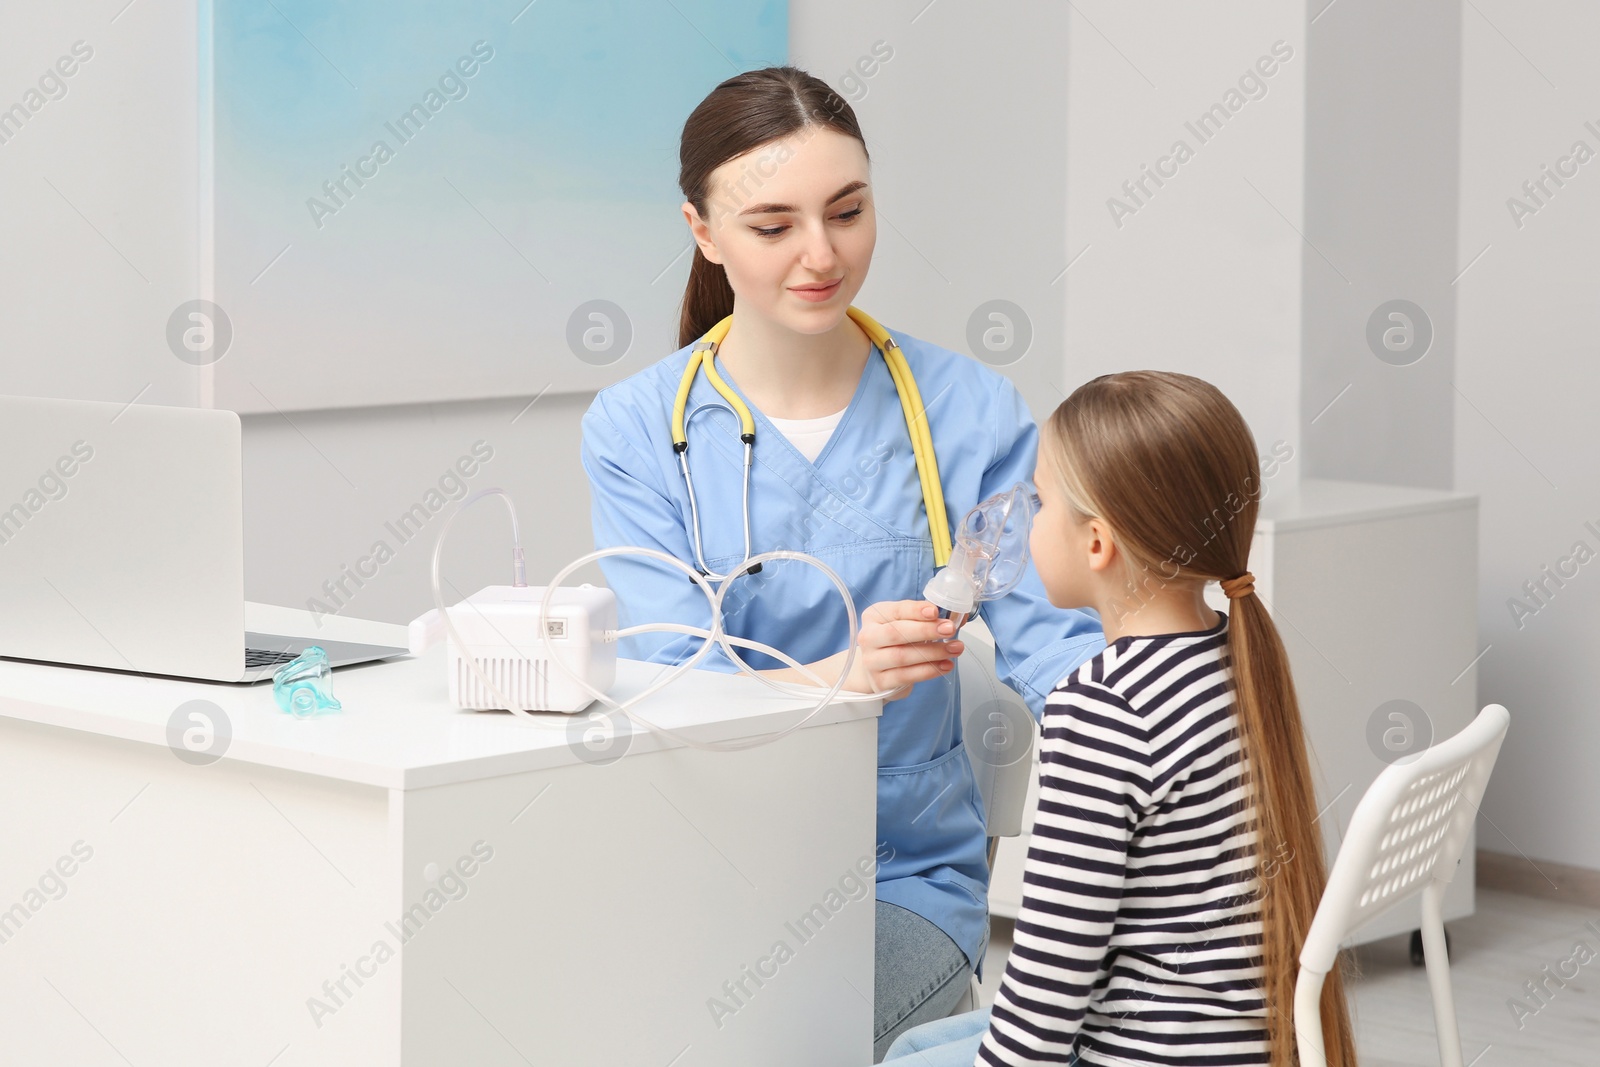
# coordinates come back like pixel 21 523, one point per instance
pixel 810 436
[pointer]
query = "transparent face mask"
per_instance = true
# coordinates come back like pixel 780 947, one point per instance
pixel 990 554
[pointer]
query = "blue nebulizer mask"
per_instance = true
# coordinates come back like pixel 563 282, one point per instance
pixel 990 555
pixel 304 686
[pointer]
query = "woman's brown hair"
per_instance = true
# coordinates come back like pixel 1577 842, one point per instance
pixel 743 113
pixel 1168 463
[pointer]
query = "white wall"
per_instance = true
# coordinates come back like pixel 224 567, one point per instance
pixel 1204 277
pixel 98 214
pixel 1382 158
pixel 1525 411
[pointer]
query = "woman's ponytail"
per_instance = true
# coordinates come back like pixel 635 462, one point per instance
pixel 707 300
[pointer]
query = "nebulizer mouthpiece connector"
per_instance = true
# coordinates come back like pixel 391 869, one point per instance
pixel 990 555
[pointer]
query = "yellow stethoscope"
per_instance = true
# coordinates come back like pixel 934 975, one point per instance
pixel 705 351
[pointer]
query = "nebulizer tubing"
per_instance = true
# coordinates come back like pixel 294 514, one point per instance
pixel 832 695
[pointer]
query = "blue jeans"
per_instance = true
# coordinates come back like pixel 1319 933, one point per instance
pixel 920 975
pixel 951 1042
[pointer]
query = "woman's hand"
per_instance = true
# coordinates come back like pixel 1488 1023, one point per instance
pixel 901 642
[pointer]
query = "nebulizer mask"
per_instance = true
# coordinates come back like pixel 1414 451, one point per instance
pixel 990 554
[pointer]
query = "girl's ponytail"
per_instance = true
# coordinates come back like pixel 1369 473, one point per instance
pixel 1291 866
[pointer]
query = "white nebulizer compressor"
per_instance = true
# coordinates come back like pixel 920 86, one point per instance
pixel 498 628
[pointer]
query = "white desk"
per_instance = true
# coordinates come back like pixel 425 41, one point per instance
pixel 218 899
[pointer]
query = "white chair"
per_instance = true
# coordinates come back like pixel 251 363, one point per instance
pixel 999 737
pixel 1405 838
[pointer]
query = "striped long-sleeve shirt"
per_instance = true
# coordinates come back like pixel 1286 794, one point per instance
pixel 1139 937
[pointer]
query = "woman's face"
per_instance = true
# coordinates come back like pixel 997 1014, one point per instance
pixel 787 217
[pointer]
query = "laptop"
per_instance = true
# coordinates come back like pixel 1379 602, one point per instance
pixel 122 544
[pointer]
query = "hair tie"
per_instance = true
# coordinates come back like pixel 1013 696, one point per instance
pixel 1242 586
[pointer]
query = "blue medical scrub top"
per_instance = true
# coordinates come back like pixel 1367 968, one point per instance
pixel 858 508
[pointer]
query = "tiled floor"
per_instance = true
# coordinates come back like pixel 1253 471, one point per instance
pixel 1506 942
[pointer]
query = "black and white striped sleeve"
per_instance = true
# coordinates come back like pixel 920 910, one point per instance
pixel 1095 781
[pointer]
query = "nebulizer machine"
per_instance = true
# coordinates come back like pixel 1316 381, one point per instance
pixel 553 648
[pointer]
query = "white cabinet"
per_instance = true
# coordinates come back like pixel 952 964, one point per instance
pixel 1374 591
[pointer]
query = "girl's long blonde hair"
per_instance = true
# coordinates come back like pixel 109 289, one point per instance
pixel 1168 463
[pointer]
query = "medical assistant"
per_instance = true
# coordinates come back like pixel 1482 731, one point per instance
pixel 858 508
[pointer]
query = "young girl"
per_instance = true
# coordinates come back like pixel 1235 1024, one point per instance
pixel 1175 864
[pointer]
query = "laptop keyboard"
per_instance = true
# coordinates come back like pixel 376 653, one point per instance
pixel 261 657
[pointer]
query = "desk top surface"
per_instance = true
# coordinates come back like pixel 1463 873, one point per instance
pixel 398 729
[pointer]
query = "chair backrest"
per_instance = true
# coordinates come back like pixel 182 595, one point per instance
pixel 1409 830
pixel 999 732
